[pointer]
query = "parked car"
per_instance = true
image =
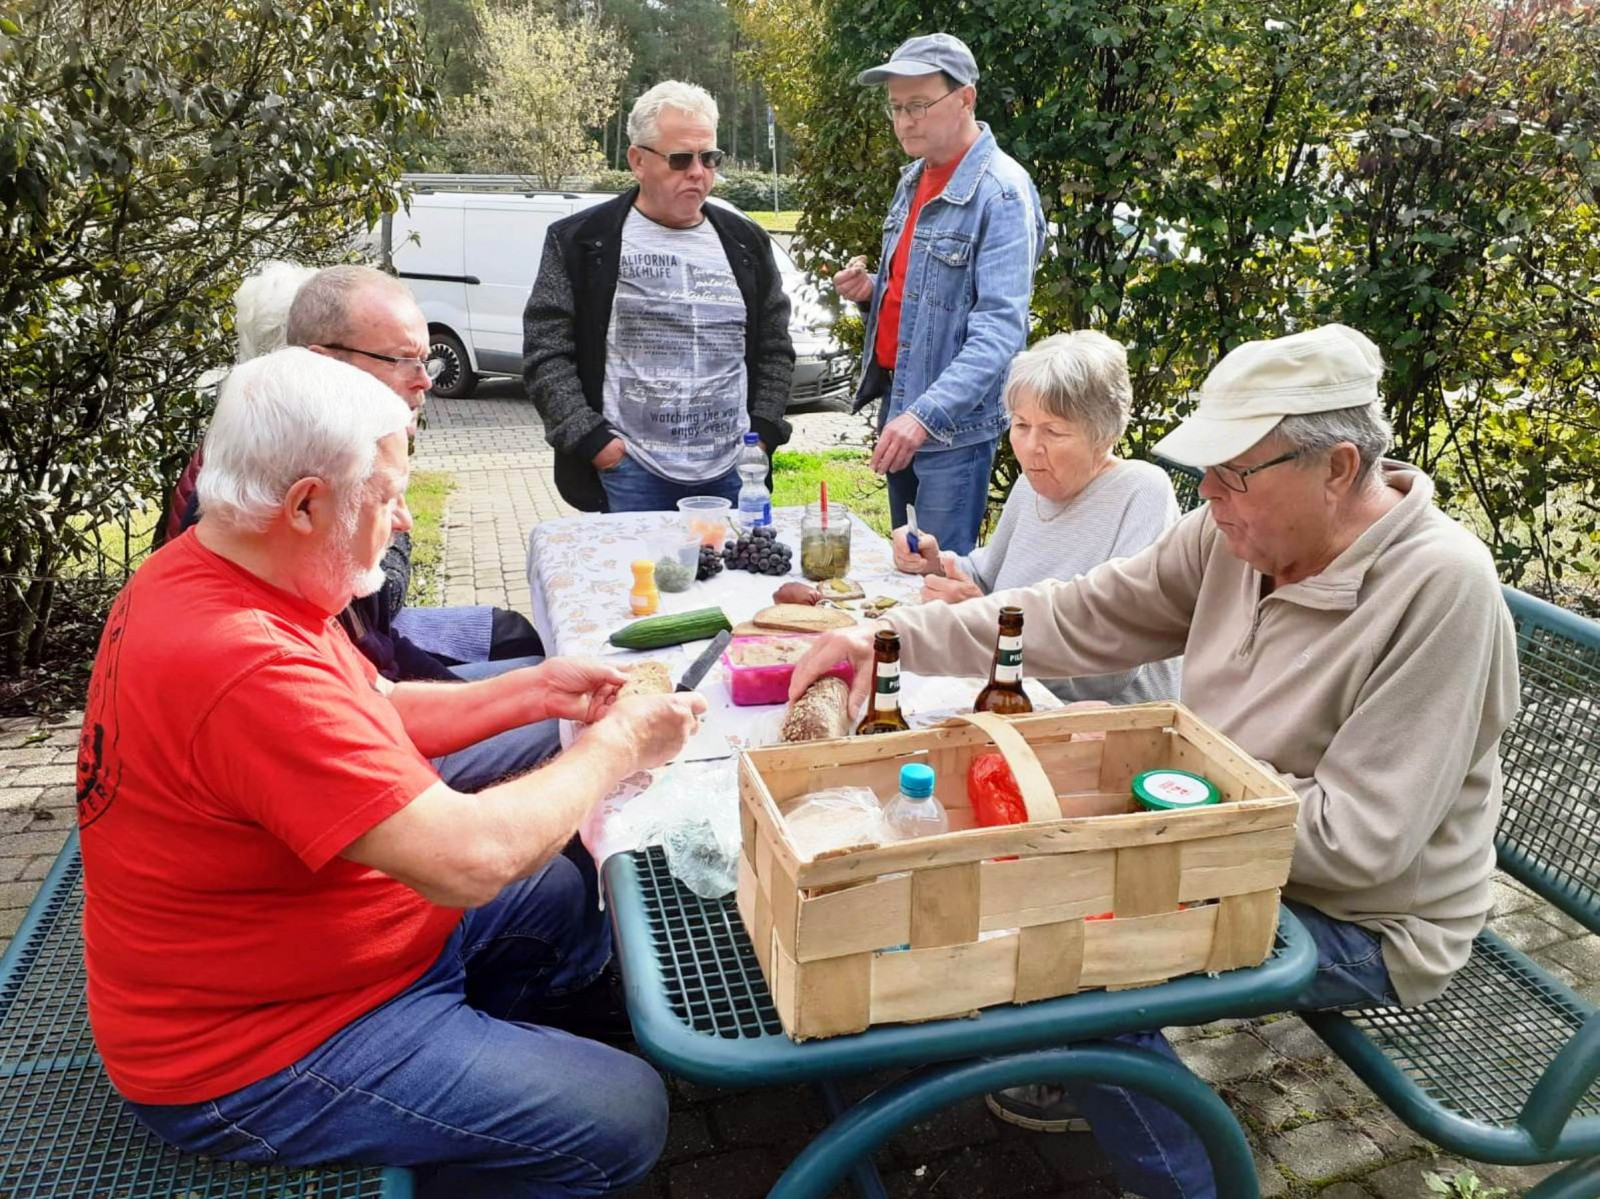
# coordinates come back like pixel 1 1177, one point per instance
pixel 469 248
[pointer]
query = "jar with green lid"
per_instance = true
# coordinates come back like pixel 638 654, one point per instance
pixel 825 549
pixel 1172 790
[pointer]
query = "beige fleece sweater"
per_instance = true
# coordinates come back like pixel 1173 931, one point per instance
pixel 1378 689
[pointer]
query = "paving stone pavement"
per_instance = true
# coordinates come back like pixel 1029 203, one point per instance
pixel 1314 1126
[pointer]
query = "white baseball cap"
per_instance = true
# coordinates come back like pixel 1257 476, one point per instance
pixel 1259 383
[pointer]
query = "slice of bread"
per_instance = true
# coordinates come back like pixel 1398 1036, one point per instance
pixel 801 618
pixel 647 678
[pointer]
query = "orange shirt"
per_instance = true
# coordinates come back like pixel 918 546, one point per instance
pixel 233 746
pixel 886 344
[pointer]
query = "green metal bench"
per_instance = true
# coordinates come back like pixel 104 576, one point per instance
pixel 1185 483
pixel 1503 1067
pixel 63 1129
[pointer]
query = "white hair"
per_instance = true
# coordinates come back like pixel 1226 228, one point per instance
pixel 1363 426
pixel 261 307
pixel 1080 377
pixel 286 416
pixel 644 121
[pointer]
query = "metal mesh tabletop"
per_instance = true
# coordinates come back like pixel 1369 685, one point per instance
pixel 65 1130
pixel 711 979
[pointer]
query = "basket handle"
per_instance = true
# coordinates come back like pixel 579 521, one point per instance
pixel 1038 793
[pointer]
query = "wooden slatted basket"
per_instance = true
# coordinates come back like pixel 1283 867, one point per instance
pixel 998 915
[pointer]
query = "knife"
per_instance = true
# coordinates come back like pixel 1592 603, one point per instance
pixel 701 665
pixel 913 534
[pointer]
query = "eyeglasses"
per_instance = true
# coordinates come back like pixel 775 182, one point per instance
pixel 917 109
pixel 432 367
pixel 1233 478
pixel 681 160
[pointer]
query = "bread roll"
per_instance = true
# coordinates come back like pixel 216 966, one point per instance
pixel 822 712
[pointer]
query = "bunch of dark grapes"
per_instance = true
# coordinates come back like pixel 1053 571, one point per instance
pixel 759 551
pixel 710 563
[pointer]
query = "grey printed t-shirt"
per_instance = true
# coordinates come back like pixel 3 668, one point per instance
pixel 675 376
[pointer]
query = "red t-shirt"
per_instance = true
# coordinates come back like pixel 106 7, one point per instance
pixel 886 346
pixel 233 745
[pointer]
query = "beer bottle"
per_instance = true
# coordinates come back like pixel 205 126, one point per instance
pixel 1003 693
pixel 883 713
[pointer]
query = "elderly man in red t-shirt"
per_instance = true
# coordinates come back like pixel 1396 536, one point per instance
pixel 302 945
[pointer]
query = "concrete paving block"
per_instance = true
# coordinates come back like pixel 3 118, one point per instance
pixel 1526 931
pixel 1224 1059
pixel 12 869
pixel 55 775
pixel 1580 955
pixel 739 1174
pixel 1345 1190
pixel 1293 1038
pixel 1324 1150
pixel 1404 1180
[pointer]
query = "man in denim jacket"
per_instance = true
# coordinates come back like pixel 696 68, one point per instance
pixel 949 304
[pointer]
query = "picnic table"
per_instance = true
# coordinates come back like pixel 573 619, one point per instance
pixel 699 1005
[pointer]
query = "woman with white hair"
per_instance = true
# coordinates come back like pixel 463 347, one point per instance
pixel 1076 503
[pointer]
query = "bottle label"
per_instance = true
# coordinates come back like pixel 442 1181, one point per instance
pixel 887 697
pixel 1008 661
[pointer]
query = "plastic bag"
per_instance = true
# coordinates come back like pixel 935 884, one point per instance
pixel 993 792
pixel 838 818
pixel 692 812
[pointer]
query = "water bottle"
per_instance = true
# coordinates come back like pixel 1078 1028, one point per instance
pixel 915 812
pixel 755 501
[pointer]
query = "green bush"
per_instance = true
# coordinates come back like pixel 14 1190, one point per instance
pixel 1214 172
pixel 153 155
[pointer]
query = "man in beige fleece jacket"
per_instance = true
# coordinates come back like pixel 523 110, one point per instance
pixel 1335 624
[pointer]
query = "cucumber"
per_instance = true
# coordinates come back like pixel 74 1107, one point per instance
pixel 655 631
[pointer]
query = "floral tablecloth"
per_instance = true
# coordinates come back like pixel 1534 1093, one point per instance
pixel 579 577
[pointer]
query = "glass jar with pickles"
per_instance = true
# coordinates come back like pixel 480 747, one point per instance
pixel 825 549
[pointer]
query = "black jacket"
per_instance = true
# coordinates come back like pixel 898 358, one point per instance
pixel 564 336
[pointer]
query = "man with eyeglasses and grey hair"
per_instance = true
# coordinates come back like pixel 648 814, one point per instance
pixel 1338 627
pixel 370 320
pixel 657 333
pixel 947 308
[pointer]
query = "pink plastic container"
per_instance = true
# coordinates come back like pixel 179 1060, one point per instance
pixel 752 685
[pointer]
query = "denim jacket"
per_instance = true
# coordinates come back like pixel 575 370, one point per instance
pixel 964 315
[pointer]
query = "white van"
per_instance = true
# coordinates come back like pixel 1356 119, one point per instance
pixel 470 246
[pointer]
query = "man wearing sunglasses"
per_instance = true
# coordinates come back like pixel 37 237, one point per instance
pixel 947 310
pixel 657 333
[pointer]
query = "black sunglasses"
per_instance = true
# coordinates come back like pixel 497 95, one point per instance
pixel 680 160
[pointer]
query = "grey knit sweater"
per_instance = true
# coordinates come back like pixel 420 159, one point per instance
pixel 1118 514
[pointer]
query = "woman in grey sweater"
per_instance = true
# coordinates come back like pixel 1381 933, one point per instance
pixel 1076 503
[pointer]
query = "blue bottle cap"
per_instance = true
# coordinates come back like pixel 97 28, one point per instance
pixel 752 438
pixel 916 780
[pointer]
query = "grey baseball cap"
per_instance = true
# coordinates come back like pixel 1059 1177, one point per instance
pixel 923 56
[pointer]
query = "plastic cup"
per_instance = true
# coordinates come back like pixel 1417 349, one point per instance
pixel 706 518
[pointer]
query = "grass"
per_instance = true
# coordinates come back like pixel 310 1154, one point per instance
pixel 426 498
pixel 776 222
pixel 796 475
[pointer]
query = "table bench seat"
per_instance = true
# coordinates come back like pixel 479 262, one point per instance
pixel 65 1130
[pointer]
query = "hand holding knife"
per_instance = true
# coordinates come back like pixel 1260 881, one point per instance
pixel 913 533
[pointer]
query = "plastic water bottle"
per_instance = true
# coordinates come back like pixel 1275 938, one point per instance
pixel 916 811
pixel 755 501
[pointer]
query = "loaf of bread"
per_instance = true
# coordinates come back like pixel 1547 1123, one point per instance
pixel 647 678
pixel 822 712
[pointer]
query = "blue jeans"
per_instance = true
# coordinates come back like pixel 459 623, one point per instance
pixel 455 1076
pixel 950 489
pixel 505 755
pixel 632 488
pixel 1157 1154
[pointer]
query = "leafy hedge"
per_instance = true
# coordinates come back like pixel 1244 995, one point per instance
pixel 1216 171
